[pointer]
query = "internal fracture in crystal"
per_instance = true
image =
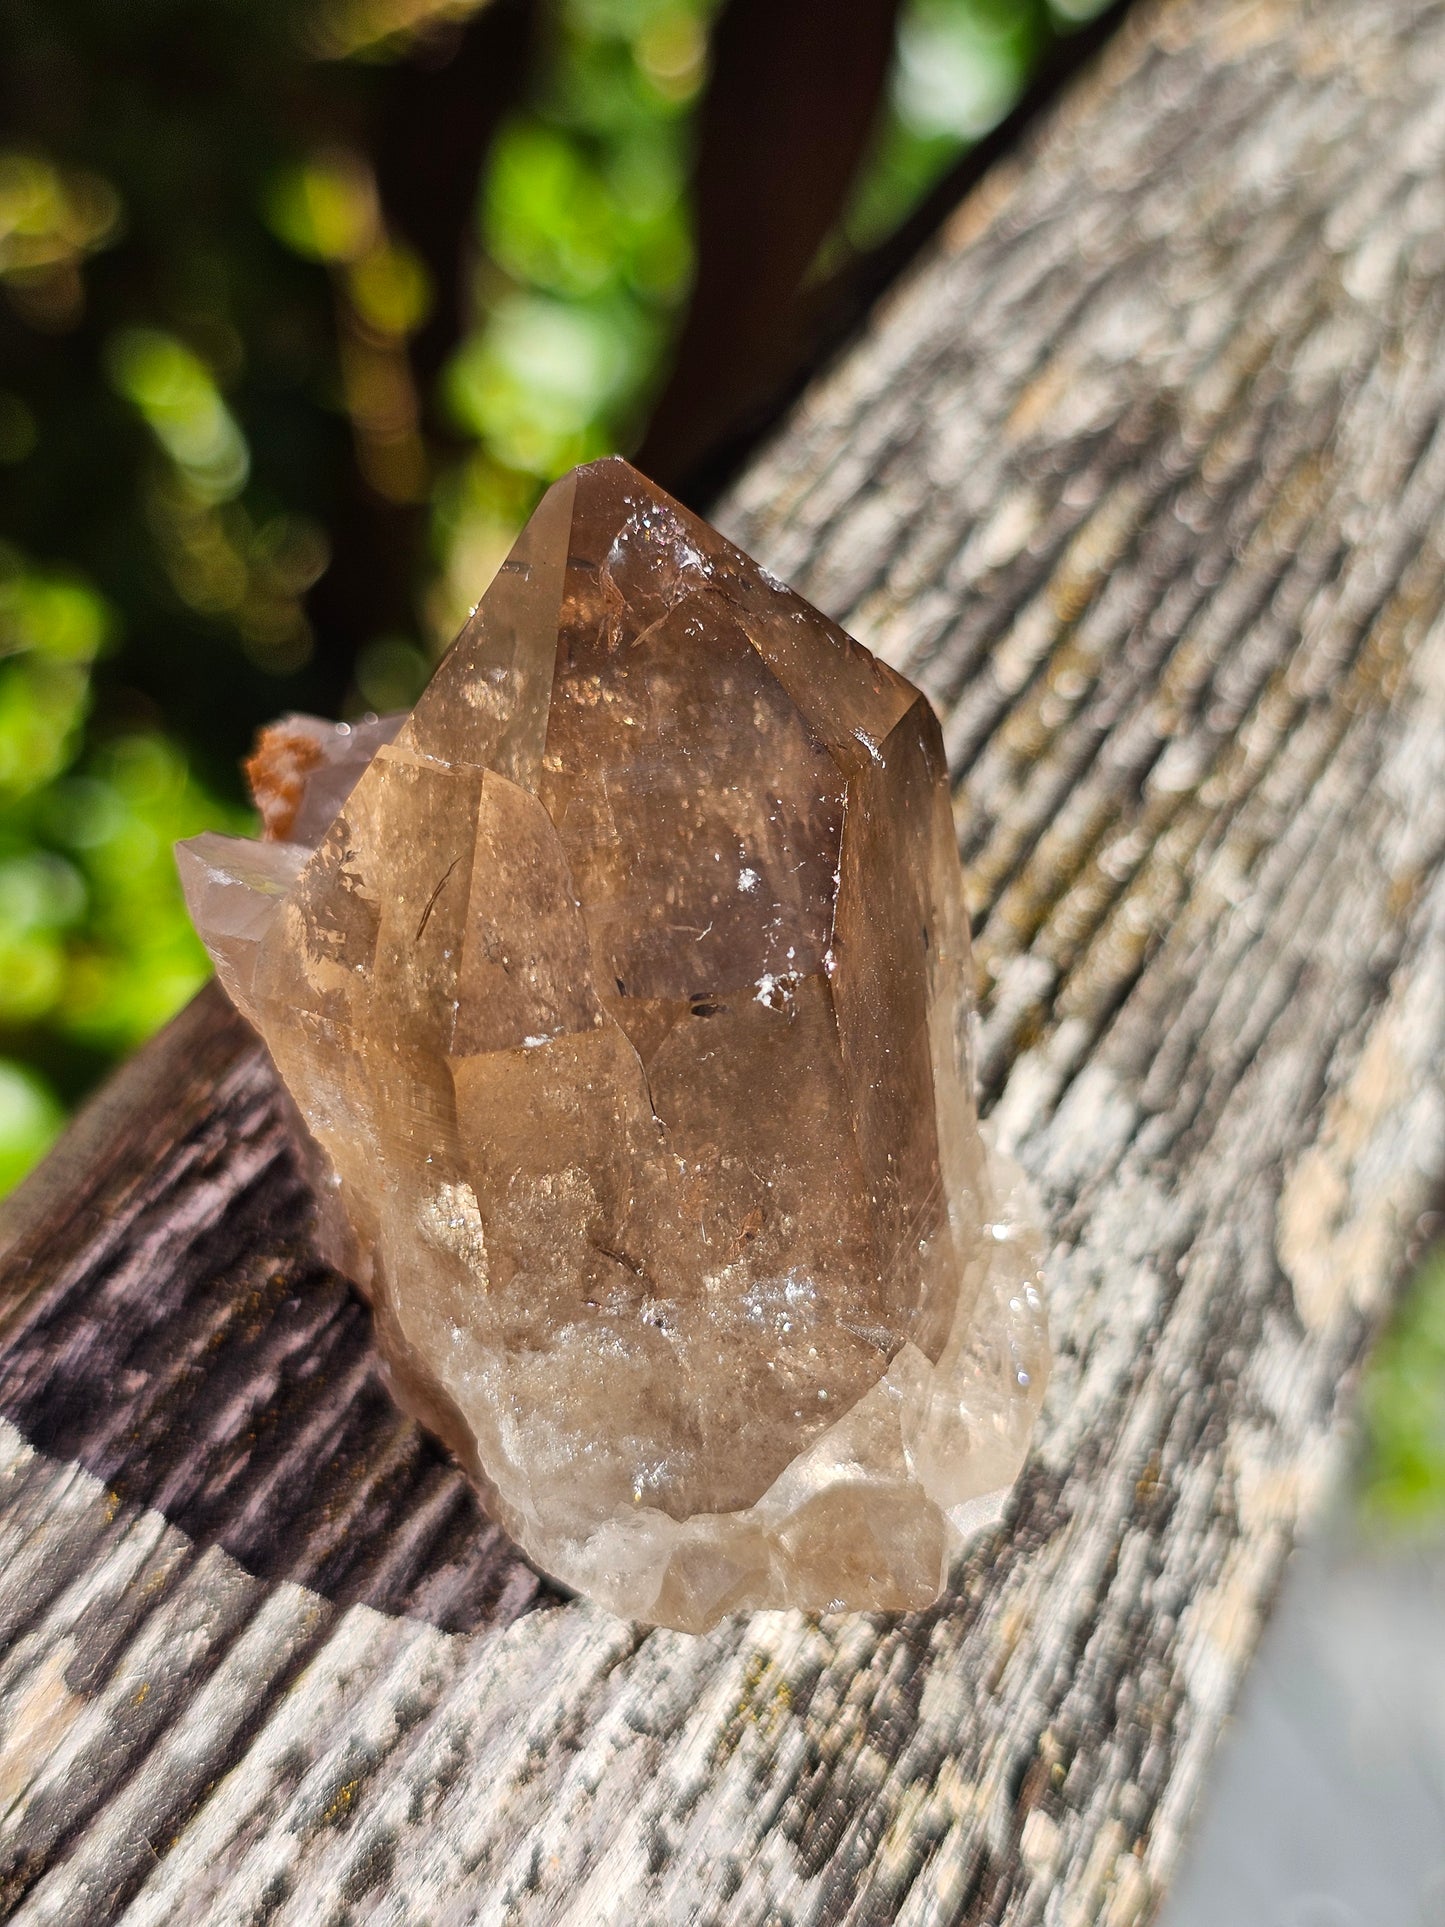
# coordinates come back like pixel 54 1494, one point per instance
pixel 624 988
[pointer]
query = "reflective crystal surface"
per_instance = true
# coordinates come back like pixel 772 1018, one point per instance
pixel 624 986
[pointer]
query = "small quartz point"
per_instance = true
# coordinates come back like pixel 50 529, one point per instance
pixel 624 987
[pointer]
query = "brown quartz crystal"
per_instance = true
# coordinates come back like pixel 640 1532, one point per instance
pixel 624 987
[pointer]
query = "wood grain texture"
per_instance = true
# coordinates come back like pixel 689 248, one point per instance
pixel 1142 474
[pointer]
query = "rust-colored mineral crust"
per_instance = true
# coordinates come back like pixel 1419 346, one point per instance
pixel 627 997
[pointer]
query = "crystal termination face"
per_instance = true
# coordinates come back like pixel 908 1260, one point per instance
pixel 624 987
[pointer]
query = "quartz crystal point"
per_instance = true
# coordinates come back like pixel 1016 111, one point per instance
pixel 626 993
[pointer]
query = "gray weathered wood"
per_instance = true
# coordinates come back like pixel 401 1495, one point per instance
pixel 1142 474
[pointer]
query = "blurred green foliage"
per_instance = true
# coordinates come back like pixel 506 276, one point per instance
pixel 94 951
pixel 959 70
pixel 1404 1406
pixel 208 331
pixel 585 262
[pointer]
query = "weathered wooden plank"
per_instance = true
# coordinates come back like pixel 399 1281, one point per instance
pixel 1143 475
pixel 175 1336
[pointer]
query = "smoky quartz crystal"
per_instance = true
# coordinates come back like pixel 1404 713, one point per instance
pixel 624 989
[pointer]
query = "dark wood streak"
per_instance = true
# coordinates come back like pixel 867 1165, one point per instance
pixel 1142 474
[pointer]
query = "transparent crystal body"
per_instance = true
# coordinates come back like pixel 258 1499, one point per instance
pixel 625 992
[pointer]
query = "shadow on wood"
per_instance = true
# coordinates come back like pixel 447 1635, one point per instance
pixel 177 1338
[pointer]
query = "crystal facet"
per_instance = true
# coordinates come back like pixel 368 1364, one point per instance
pixel 625 992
